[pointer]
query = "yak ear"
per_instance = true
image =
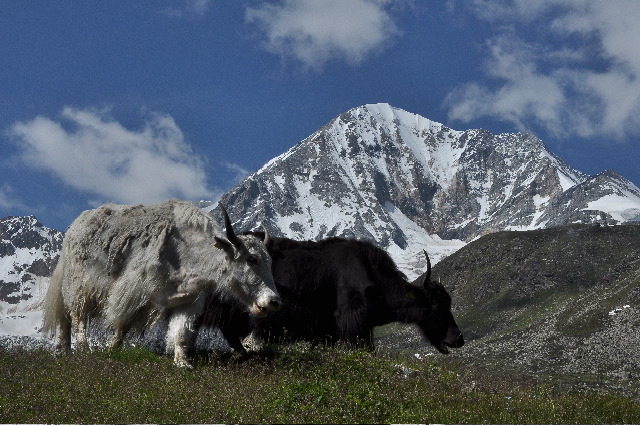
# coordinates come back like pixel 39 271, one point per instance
pixel 410 292
pixel 226 246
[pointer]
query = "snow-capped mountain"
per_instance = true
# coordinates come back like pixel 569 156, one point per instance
pixel 28 253
pixel 384 174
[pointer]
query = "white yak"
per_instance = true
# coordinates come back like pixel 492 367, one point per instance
pixel 134 264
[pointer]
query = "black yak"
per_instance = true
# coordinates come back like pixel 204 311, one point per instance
pixel 338 290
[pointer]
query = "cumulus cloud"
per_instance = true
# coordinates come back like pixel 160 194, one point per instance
pixel 91 152
pixel 314 32
pixel 7 200
pixel 239 173
pixel 569 66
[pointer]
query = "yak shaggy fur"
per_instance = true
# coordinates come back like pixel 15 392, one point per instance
pixel 132 265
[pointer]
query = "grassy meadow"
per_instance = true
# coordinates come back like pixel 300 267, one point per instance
pixel 283 384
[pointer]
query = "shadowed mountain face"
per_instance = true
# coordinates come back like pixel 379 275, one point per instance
pixel 559 301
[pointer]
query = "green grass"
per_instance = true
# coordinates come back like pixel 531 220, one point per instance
pixel 284 384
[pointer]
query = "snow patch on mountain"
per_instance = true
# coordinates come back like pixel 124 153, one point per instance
pixel 620 208
pixel 28 254
pixel 25 323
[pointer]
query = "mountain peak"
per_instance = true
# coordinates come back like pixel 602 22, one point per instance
pixel 385 113
pixel 407 183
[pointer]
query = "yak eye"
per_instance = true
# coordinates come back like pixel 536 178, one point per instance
pixel 252 259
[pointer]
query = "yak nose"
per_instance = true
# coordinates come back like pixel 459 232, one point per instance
pixel 275 304
pixel 454 338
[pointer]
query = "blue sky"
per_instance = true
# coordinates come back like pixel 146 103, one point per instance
pixel 130 101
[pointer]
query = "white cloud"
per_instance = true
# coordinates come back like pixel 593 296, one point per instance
pixel 187 8
pixel 314 32
pixel 93 153
pixel 525 94
pixel 240 173
pixel 7 200
pixel 570 66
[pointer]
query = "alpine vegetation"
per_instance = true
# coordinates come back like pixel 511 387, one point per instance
pixel 134 265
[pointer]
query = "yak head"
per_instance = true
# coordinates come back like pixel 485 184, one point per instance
pixel 250 266
pixel 434 315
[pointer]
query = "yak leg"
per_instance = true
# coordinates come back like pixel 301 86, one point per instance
pixel 180 337
pixel 181 333
pixel 353 326
pixel 79 324
pixel 352 333
pixel 230 335
pixel 119 333
pixel 64 340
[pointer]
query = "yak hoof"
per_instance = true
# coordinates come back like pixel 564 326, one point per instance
pixel 61 349
pixel 182 363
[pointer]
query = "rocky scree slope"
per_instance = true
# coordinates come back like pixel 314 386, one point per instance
pixel 558 302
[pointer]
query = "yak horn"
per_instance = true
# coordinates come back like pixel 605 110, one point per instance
pixel 427 277
pixel 267 238
pixel 231 236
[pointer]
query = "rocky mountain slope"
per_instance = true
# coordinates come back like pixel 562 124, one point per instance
pixel 28 253
pixel 384 174
pixel 558 302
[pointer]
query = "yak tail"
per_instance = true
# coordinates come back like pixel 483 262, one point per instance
pixel 54 314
